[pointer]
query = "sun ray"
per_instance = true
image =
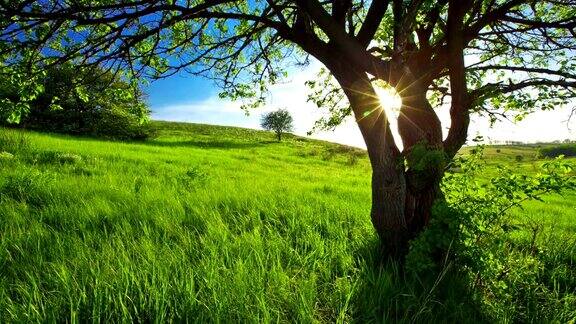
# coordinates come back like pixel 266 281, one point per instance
pixel 390 102
pixel 389 99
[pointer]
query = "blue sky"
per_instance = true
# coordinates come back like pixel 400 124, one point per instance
pixel 188 98
pixel 177 89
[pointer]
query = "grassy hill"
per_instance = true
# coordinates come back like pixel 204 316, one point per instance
pixel 221 224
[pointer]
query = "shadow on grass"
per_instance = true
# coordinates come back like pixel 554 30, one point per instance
pixel 215 144
pixel 386 294
pixel 266 142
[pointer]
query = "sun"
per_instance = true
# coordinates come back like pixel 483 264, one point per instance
pixel 389 97
pixel 391 103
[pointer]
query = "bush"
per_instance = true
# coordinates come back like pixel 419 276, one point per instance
pixel 30 187
pixel 6 156
pixel 471 230
pixel 328 155
pixel 54 157
pixel 352 159
pixel 87 102
pixel 568 150
pixel 121 125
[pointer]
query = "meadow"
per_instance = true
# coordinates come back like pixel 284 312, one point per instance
pixel 222 224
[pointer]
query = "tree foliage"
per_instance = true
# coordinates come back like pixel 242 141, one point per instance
pixel 87 101
pixel 279 121
pixel 18 89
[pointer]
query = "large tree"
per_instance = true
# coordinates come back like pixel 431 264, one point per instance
pixel 486 56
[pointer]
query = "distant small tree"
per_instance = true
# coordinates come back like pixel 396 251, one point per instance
pixel 280 121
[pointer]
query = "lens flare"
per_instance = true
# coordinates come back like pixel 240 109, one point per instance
pixel 389 98
pixel 391 103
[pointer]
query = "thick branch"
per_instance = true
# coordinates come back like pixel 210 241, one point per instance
pixel 372 21
pixel 339 10
pixel 345 43
pixel 425 32
pixel 459 109
pixel 568 23
pixel 489 18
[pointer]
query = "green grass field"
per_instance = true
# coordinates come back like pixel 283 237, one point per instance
pixel 221 224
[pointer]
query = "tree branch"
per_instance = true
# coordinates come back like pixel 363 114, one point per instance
pixel 372 21
pixel 523 69
pixel 500 88
pixel 489 18
pixel 346 44
pixel 459 109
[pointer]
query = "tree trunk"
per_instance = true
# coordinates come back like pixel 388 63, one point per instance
pixel 388 177
pixel 402 198
pixel 419 125
pixel 419 206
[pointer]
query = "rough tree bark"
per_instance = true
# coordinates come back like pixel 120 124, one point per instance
pixel 418 125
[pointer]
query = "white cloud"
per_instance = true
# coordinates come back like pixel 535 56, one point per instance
pixel 291 95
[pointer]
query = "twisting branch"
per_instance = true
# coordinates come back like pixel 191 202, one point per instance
pixel 372 21
pixel 523 69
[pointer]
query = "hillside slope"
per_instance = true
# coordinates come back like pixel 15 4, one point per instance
pixel 205 223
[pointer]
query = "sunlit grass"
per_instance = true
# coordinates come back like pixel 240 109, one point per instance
pixel 209 224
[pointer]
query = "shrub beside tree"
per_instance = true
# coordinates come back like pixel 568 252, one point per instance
pixel 553 151
pixel 89 101
pixel 279 121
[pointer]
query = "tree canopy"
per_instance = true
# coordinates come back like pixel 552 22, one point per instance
pixel 279 121
pixel 79 101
